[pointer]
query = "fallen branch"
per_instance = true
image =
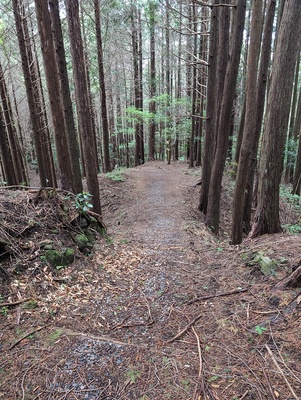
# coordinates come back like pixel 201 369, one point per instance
pixel 26 335
pixel 281 372
pixel 184 330
pixel 199 380
pixel 70 332
pixel 15 303
pixel 211 296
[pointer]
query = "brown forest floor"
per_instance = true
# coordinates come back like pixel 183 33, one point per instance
pixel 160 310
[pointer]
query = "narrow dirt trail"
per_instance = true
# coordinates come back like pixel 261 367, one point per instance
pixel 157 212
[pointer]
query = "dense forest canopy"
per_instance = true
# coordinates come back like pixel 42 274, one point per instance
pixel 90 86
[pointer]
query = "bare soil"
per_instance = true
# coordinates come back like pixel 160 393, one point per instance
pixel 160 309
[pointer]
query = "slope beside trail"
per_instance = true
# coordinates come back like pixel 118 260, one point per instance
pixel 160 309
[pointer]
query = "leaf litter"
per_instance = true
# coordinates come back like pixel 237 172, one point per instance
pixel 160 308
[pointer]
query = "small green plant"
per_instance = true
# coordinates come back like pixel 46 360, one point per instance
pixel 294 229
pixel 4 311
pixel 260 329
pixel 83 202
pixel 214 378
pixel 185 383
pixel 54 336
pixel 133 375
pixel 115 175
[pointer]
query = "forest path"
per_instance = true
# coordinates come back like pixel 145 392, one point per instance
pixel 158 208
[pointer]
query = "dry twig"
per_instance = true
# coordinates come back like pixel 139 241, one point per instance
pixel 94 337
pixel 26 335
pixel 281 372
pixel 15 303
pixel 211 296
pixel 199 380
pixel 183 330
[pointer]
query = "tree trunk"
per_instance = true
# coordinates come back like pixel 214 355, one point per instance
pixel 290 144
pixel 194 88
pixel 82 101
pixel 72 136
pixel 266 218
pixel 250 123
pixel 136 83
pixel 140 61
pixel 209 145
pixel 152 84
pixel 9 176
pixel 15 148
pixel 37 116
pixel 104 116
pixel 261 96
pixel 214 198
pixel 53 85
pixel 297 134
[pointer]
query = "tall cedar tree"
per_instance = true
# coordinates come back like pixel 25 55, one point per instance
pixel 168 82
pixel 297 133
pixel 136 72
pixel 82 101
pixel 140 58
pixel 250 124
pixel 152 84
pixel 6 155
pixel 178 87
pixel 209 145
pixel 65 94
pixel 34 98
pixel 261 95
pixel 54 92
pixel 104 115
pixel 224 126
pixel 289 162
pixel 266 219
pixel 194 87
pixel 18 164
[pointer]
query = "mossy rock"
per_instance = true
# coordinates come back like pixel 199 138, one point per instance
pixel 56 258
pixel 68 256
pixel 53 257
pixel 82 241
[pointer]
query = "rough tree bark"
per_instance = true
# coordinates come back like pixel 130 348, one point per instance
pixel 9 176
pixel 104 115
pixel 222 138
pixel 17 164
pixel 35 103
pixel 82 101
pixel 53 86
pixel 266 219
pixel 209 144
pixel 66 97
pixel 152 84
pixel 250 124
